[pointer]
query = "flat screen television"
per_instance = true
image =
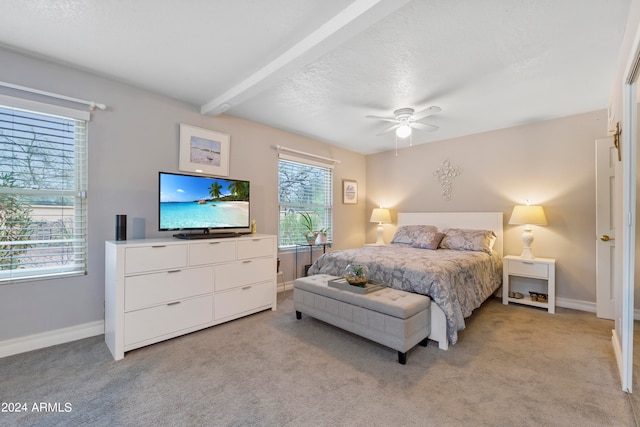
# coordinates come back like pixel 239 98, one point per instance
pixel 203 204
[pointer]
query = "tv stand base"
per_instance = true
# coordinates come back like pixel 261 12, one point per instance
pixel 195 236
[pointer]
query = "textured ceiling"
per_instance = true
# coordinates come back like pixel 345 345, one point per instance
pixel 318 67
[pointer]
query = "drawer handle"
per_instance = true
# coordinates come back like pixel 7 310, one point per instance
pixel 174 303
pixel 174 271
pixel 159 246
pixel 527 262
pixel 214 243
pixel 256 240
pixel 246 262
pixel 246 288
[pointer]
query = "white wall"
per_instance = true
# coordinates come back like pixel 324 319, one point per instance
pixel 131 141
pixel 551 163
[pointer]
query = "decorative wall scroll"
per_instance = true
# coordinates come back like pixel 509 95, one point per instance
pixel 445 176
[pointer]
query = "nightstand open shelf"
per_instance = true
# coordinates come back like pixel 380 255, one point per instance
pixel 542 269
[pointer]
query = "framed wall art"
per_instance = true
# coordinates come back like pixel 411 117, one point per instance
pixel 204 151
pixel 349 192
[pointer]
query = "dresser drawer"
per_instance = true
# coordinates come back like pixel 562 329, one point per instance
pixel 255 248
pixel 238 302
pixel 212 252
pixel 243 273
pixel 155 322
pixel 156 257
pixel 157 288
pixel 529 268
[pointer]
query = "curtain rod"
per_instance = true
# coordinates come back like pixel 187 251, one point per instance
pixel 92 105
pixel 313 156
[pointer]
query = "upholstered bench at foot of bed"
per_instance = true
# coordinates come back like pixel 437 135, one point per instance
pixel 393 318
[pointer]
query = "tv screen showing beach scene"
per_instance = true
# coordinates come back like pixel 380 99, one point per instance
pixel 190 202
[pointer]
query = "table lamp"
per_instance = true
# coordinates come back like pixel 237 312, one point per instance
pixel 380 215
pixel 527 215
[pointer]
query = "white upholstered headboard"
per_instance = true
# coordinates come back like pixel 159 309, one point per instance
pixel 472 220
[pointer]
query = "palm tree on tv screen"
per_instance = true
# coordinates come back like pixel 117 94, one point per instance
pixel 214 190
pixel 240 189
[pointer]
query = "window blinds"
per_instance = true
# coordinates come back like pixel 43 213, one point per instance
pixel 43 205
pixel 303 187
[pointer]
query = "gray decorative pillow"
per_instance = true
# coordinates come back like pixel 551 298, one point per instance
pixel 408 234
pixel 428 240
pixel 461 239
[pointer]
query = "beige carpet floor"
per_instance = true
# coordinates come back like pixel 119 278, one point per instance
pixel 513 366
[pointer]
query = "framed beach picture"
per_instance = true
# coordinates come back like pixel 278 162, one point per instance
pixel 349 192
pixel 204 151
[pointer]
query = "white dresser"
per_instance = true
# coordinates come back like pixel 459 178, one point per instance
pixel 156 289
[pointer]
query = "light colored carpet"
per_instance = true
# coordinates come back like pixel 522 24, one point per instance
pixel 513 365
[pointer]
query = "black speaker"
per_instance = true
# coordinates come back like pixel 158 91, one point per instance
pixel 121 227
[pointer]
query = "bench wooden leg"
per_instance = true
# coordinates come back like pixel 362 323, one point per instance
pixel 424 342
pixel 402 358
pixel 298 315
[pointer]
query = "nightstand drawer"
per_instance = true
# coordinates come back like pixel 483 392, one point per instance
pixel 529 268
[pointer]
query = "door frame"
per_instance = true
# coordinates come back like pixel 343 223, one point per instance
pixel 628 217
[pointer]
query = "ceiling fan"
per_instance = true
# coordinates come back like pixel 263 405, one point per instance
pixel 405 119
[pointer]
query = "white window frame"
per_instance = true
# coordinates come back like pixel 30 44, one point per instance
pixel 76 243
pixel 323 211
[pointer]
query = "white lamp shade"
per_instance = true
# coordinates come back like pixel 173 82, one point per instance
pixel 380 215
pixel 530 215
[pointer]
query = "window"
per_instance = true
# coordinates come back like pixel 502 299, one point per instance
pixel 43 180
pixel 304 188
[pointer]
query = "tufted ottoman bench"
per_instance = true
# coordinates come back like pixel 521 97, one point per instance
pixel 393 318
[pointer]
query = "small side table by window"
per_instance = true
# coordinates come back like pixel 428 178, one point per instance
pixel 536 268
pixel 311 248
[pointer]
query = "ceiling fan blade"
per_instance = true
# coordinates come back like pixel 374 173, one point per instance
pixel 426 112
pixel 424 126
pixel 386 119
pixel 389 129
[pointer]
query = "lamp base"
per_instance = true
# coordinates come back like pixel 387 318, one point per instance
pixel 526 253
pixel 380 242
pixel 527 239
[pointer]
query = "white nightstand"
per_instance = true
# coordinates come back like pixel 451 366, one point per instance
pixel 537 268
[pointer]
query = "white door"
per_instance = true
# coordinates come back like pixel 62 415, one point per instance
pixel 606 158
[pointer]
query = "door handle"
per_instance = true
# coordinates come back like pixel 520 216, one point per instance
pixel 606 238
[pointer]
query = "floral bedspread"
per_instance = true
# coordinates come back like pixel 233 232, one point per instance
pixel 457 281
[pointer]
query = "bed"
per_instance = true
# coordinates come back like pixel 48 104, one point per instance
pixel 457 277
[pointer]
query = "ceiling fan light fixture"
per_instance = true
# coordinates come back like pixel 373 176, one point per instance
pixel 403 131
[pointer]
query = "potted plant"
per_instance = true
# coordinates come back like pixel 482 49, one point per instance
pixel 307 224
pixel 322 235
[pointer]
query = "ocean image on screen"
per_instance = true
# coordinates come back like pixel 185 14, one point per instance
pixel 197 202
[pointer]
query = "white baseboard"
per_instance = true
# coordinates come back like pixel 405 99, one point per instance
pixel 285 286
pixel 586 306
pixel 47 339
pixel 576 304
